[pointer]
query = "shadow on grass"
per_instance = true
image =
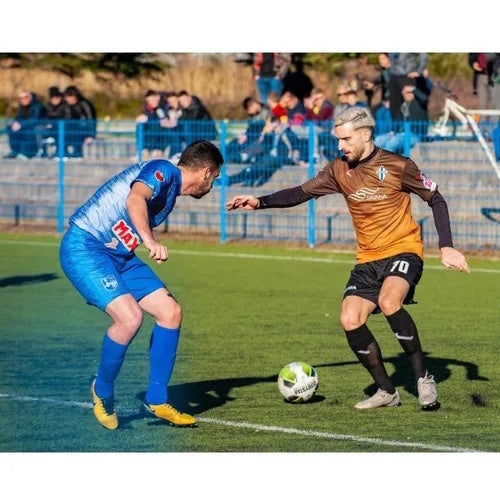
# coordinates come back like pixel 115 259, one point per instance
pixel 199 397
pixel 27 279
pixel 402 373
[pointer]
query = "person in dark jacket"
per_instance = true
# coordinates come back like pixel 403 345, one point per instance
pixel 153 116
pixel 81 123
pixel 56 109
pixel 196 121
pixel 22 131
pixel 405 68
pixel 381 81
pixel 257 113
pixel 414 111
pixel 482 82
pixel 298 82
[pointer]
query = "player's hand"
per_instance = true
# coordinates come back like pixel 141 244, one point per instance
pixel 156 251
pixel 453 259
pixel 243 201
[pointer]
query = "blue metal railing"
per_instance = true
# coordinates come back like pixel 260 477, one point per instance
pixel 258 161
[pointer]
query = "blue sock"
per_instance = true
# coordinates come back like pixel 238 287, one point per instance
pixel 162 352
pixel 112 357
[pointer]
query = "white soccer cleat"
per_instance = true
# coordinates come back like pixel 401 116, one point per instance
pixel 427 391
pixel 380 398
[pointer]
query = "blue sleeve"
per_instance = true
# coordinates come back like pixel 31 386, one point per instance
pixel 156 174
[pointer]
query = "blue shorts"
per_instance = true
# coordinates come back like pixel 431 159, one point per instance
pixel 101 275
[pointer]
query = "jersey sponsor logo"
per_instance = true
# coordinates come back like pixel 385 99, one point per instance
pixel 382 173
pixel 367 194
pixel 109 282
pixel 427 182
pixel 112 244
pixel 125 234
pixel 159 176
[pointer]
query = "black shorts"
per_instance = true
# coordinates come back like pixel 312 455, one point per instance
pixel 366 279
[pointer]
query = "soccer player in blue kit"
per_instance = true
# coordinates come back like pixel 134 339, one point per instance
pixel 97 255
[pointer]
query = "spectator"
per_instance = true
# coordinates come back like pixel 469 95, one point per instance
pixel 482 82
pixel 296 133
pixel 296 110
pixel 81 123
pixel 22 131
pixel 383 118
pixel 154 117
pixel 414 111
pixel 352 99
pixel 404 69
pixel 56 110
pixel 266 152
pixel 382 80
pixel 342 91
pixel 195 120
pixel 174 111
pixel 255 110
pixel 318 107
pixel 277 123
pixel 277 106
pixel 172 131
pixel 297 82
pixel 320 111
pixel 237 148
pixel 496 81
pixel 269 69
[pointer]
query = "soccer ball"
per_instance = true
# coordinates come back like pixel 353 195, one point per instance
pixel 297 382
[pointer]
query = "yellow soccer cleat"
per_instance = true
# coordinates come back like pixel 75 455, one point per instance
pixel 167 412
pixel 104 409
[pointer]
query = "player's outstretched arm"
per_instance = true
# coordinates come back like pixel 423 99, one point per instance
pixel 246 202
pixel 289 197
pixel 453 259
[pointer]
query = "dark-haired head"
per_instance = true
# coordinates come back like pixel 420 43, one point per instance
pixel 200 154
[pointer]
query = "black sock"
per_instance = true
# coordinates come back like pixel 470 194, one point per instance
pixel 367 350
pixel 406 332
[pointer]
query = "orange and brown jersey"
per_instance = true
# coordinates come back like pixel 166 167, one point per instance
pixel 377 192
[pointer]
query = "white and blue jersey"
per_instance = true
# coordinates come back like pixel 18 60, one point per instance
pixel 105 214
pixel 97 252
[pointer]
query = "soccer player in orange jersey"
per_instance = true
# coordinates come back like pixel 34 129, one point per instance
pixel 376 185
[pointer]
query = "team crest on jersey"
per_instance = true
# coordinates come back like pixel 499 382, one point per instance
pixel 426 181
pixel 109 282
pixel 125 234
pixel 159 176
pixel 382 173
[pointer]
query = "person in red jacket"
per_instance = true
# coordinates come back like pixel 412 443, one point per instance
pixel 318 107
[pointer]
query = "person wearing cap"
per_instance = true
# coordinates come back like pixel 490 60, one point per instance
pixel 81 119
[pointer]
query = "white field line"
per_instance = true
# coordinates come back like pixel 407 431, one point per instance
pixel 265 428
pixel 292 258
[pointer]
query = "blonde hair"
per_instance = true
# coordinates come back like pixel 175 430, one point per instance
pixel 358 116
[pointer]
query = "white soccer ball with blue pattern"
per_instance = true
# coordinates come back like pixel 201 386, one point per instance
pixel 298 382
